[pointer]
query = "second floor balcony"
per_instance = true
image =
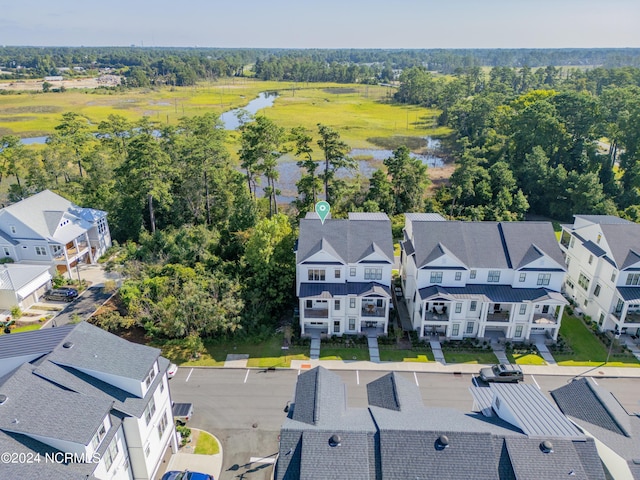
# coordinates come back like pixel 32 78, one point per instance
pixel 72 250
pixel 316 313
pixel 544 319
pixel 498 316
pixel 371 310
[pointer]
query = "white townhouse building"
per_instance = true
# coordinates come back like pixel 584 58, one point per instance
pixel 343 273
pixel 48 229
pixel 603 263
pixel 482 279
pixel 86 403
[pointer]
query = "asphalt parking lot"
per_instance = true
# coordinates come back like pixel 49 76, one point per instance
pixel 244 407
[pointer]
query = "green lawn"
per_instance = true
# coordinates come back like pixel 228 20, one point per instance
pixel 206 445
pixel 26 328
pixel 454 356
pixel 394 355
pixel 588 350
pixel 337 353
pixel 526 359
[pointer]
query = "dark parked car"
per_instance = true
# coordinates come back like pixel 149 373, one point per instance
pixel 64 294
pixel 503 372
pixel 186 475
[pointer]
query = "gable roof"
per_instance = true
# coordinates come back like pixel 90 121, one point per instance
pixel 624 242
pixel 320 395
pixel 43 213
pixel 603 219
pixel 402 439
pixel 485 244
pixel 97 350
pixel 351 240
pixel 585 401
pixel 14 276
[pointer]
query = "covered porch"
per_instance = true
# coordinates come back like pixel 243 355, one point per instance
pixel 68 255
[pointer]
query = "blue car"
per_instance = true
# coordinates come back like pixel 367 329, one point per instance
pixel 186 475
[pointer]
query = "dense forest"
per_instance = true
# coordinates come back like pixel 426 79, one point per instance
pixel 204 255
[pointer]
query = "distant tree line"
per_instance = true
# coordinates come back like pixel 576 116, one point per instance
pixel 143 67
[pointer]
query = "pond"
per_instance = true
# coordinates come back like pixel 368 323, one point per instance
pixel 290 172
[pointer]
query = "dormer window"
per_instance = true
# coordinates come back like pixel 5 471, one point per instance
pixel 150 376
pixel 97 438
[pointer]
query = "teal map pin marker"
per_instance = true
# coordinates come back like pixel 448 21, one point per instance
pixel 322 209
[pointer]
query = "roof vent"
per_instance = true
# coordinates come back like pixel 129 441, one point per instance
pixel 67 344
pixel 3 398
pixel 335 440
pixel 15 420
pixel 546 447
pixel 442 442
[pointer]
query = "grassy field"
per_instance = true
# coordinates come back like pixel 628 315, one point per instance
pixel 359 112
pixel 588 350
pixel 26 328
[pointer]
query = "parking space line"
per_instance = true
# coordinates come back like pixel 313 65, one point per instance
pixel 358 377
pixel 416 378
pixel 593 380
pixel 534 381
pixel 189 376
pixel 246 376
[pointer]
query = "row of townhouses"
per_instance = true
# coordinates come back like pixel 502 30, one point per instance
pixel 78 402
pixel 467 279
pixel 42 236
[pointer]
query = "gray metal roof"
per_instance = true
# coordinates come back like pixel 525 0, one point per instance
pixel 372 289
pixel 594 248
pixel 368 216
pixel 350 240
pixel 37 407
pixel 486 244
pixel 15 276
pixel 98 350
pixel 534 414
pixel 603 219
pixel 584 400
pixel 37 342
pixel 629 294
pixel 492 293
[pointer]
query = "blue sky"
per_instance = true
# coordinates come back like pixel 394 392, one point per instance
pixel 326 24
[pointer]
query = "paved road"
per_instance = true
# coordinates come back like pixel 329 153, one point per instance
pixel 84 306
pixel 244 408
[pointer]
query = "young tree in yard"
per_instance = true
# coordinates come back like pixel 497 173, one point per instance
pixel 335 157
pixel 14 157
pixel 270 268
pixel 381 192
pixel 409 180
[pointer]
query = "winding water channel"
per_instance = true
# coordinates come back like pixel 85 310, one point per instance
pixel 368 159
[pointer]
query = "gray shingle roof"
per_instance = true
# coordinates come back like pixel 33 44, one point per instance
pixel 581 399
pixel 38 342
pixel 42 213
pixel 351 240
pixel 486 244
pixel 400 440
pixel 492 293
pixel 349 288
pixel 604 219
pixel 624 242
pixel 320 394
pixel 97 350
pixel 531 463
pixel 38 407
